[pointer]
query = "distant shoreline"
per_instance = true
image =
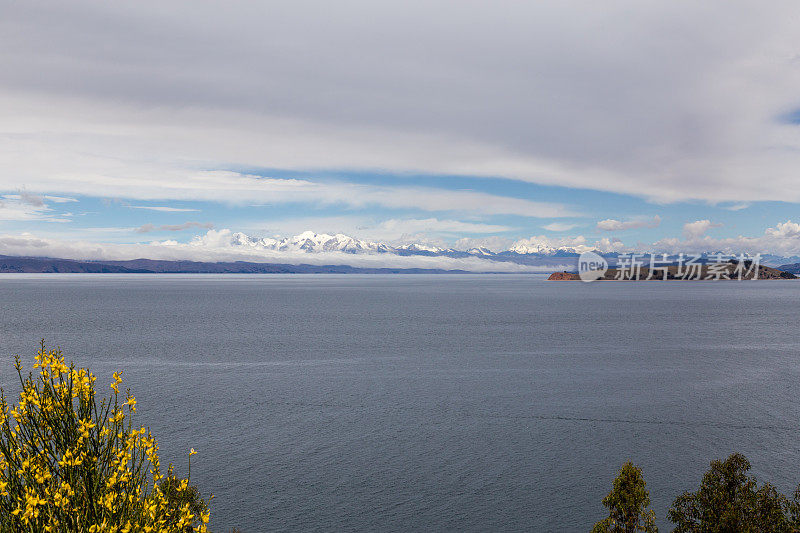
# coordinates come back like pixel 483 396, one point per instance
pixel 47 265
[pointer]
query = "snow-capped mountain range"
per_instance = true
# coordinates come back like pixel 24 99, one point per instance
pixel 311 242
pixel 526 251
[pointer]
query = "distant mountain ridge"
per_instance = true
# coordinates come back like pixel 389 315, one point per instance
pixel 794 268
pixel 525 252
pixel 47 265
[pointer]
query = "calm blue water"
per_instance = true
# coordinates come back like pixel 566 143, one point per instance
pixel 398 403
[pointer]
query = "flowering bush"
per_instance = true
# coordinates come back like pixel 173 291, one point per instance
pixel 68 463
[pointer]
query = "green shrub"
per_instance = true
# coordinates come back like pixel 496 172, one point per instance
pixel 730 500
pixel 628 504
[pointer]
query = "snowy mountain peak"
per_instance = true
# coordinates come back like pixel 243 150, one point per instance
pixel 312 242
pixel 480 251
pixel 309 242
pixel 416 247
pixel 545 246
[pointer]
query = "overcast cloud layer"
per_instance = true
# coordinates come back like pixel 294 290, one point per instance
pixel 667 102
pixel 670 99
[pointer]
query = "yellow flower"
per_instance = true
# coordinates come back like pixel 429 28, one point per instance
pixel 84 426
pixel 117 381
pixel 56 401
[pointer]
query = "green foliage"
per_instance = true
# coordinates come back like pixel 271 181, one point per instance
pixel 628 504
pixel 180 499
pixel 729 500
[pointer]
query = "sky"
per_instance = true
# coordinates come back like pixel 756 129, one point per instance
pixel 150 129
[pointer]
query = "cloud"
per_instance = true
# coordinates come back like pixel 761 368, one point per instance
pixel 31 199
pixel 559 226
pixel 330 88
pixel 241 189
pixel 431 231
pixel 698 228
pixel 436 226
pixel 616 225
pixel 607 245
pixel 493 243
pixel 784 230
pixel 59 199
pixel 26 207
pixel 147 228
pixel 781 240
pixel 162 208
pixel 738 207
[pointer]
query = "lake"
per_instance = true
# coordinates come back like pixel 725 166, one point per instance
pixel 431 402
